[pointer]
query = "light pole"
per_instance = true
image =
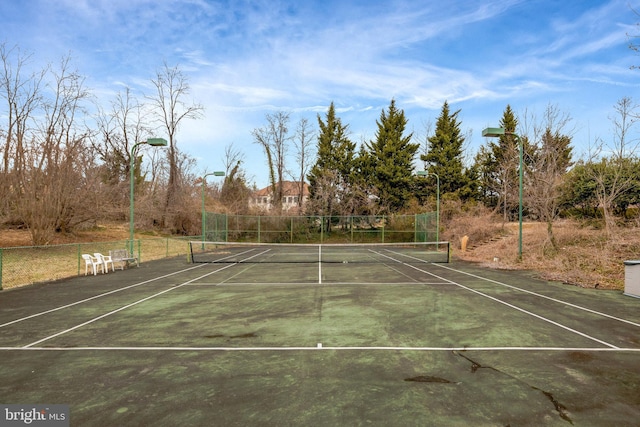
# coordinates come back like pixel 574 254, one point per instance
pixel 218 173
pixel 154 142
pixel 425 173
pixel 498 132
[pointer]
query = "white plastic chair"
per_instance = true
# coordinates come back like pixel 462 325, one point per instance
pixel 105 260
pixel 93 262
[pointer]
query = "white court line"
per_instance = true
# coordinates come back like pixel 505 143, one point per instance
pixel 542 296
pixel 582 334
pixel 323 348
pixel 525 291
pixel 320 264
pixel 123 308
pixel 97 296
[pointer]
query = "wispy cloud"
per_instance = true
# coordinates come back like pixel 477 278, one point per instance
pixel 246 58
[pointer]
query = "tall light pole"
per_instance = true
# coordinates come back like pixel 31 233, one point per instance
pixel 425 173
pixel 498 132
pixel 154 142
pixel 218 173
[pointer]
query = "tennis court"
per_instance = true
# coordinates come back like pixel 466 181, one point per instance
pixel 278 335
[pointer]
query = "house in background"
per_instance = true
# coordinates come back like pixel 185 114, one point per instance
pixel 292 197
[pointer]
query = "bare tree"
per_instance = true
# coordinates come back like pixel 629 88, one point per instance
pixel 232 156
pixel 274 138
pixel 54 184
pixel 118 131
pixel 548 167
pixel 612 173
pixel 171 108
pixel 23 96
pixel 303 145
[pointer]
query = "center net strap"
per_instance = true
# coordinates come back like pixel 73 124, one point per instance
pixel 342 253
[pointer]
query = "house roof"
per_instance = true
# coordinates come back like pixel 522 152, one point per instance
pixel 289 188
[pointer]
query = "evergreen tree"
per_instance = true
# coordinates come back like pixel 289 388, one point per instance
pixel 497 164
pixel 485 165
pixel 329 178
pixel 235 193
pixel 390 160
pixel 445 154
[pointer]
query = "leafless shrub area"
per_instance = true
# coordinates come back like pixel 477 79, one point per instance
pixel 584 256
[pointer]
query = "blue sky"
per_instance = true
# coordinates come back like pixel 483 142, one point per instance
pixel 245 59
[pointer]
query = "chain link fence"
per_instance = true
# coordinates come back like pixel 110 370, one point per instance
pixel 26 265
pixel 321 229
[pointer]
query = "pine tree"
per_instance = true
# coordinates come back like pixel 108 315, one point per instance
pixel 505 153
pixel 390 159
pixel 445 154
pixel 329 178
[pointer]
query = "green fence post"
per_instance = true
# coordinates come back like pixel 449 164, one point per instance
pixel 79 257
pixel 351 226
pixel 0 269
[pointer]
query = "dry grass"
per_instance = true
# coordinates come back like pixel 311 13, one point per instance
pixel 583 257
pixel 23 265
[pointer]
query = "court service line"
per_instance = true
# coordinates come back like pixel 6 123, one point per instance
pixel 97 296
pixel 530 313
pixel 321 348
pixel 95 319
pixel 543 296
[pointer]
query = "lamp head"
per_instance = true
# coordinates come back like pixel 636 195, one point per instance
pixel 493 132
pixel 157 142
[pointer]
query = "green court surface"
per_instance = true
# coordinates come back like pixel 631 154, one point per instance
pixel 382 343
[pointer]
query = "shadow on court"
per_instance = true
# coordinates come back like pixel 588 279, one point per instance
pixel 171 343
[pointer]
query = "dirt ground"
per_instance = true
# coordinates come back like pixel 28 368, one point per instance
pixel 583 255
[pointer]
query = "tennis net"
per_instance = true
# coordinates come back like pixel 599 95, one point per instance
pixel 241 252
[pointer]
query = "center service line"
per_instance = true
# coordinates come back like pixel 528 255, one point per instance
pixel 320 264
